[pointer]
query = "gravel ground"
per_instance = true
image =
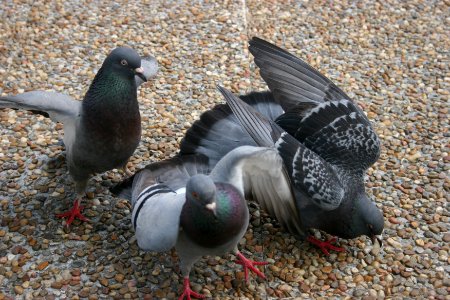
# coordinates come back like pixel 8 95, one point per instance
pixel 391 56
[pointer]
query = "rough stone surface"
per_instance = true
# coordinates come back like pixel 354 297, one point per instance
pixel 391 56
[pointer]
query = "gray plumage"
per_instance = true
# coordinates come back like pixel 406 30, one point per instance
pixel 177 204
pixel 323 141
pixel 325 196
pixel 217 132
pixel 102 131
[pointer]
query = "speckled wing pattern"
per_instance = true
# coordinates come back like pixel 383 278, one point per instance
pixel 307 169
pixel 340 133
pixel 318 113
pixel 311 173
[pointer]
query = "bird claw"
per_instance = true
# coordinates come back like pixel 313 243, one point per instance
pixel 250 264
pixel 187 292
pixel 325 246
pixel 75 212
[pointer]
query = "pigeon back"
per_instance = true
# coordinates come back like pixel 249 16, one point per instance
pixel 218 131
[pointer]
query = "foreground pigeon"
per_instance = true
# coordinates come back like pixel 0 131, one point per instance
pixel 323 192
pixel 102 131
pixel 176 205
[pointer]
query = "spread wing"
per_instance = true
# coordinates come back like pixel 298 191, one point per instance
pixel 259 173
pixel 59 107
pixel 308 171
pixel 318 113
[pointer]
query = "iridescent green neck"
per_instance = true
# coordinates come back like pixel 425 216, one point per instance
pixel 112 86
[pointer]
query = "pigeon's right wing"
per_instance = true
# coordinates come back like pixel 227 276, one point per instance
pixel 339 132
pixel 292 80
pixel 59 107
pixel 318 113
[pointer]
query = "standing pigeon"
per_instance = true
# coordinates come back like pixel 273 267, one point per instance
pixel 175 204
pixel 326 192
pixel 102 131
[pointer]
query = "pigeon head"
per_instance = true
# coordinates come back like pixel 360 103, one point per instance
pixel 368 219
pixel 126 62
pixel 201 191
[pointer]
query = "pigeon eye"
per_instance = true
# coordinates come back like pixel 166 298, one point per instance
pixel 123 62
pixel 195 195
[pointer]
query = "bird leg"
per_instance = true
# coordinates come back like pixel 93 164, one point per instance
pixel 250 264
pixel 75 212
pixel 127 171
pixel 187 292
pixel 325 246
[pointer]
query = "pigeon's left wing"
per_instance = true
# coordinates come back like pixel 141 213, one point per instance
pixel 309 172
pixel 338 131
pixel 156 217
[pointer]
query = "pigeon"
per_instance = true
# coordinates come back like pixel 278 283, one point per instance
pixel 323 192
pixel 175 203
pixel 308 106
pixel 102 131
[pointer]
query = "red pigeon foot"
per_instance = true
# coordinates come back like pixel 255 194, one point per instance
pixel 325 246
pixel 75 212
pixel 187 292
pixel 250 264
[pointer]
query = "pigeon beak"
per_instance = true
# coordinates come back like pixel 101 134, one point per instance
pixel 140 72
pixel 211 207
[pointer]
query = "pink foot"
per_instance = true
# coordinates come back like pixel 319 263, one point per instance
pixel 325 246
pixel 75 212
pixel 187 292
pixel 249 264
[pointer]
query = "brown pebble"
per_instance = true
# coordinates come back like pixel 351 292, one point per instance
pixel 104 281
pixel 446 237
pixel 119 277
pixel 42 265
pixel 358 278
pixel 56 285
pixel 18 290
pixel 394 220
